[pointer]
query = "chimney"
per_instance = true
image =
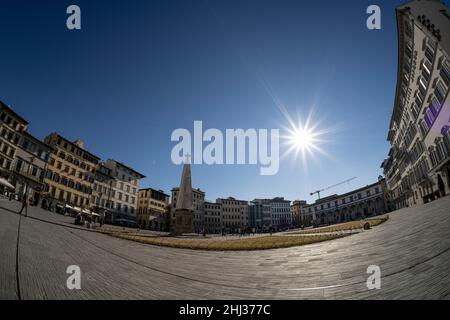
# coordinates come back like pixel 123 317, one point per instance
pixel 79 143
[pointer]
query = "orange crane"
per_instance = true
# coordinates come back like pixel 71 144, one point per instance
pixel 331 187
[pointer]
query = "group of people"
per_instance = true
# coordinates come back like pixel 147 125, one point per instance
pixel 80 219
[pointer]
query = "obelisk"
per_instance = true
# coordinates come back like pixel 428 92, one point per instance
pixel 184 213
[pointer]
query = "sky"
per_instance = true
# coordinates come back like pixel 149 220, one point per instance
pixel 138 70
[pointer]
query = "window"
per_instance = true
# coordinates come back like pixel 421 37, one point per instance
pixel 429 53
pixel 419 99
pixel 440 92
pixel 408 28
pixel 430 116
pixel 445 73
pixel 424 127
pixel 423 83
pixel 427 68
pixel 19 164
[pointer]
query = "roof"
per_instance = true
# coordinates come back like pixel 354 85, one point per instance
pixel 159 191
pixel 73 144
pixel 105 174
pixel 28 135
pixel 212 203
pixel 231 199
pixel 3 105
pixel 128 168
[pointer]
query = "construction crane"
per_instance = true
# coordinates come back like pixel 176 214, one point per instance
pixel 331 187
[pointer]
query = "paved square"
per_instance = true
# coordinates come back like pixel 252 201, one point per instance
pixel 412 249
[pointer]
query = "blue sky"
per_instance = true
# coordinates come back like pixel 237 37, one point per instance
pixel 137 70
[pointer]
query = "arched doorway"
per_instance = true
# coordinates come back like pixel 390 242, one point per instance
pixel 441 186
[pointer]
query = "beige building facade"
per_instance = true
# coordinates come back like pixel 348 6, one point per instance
pixel 213 217
pixel 12 126
pixel 235 214
pixel 300 218
pixel 361 203
pixel 102 192
pixel 30 166
pixel 124 193
pixel 153 209
pixel 418 165
pixel 70 173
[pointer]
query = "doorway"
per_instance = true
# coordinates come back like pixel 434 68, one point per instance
pixel 441 186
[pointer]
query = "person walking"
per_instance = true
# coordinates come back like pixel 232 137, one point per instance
pixel 24 204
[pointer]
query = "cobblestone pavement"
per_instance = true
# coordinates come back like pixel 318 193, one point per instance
pixel 412 249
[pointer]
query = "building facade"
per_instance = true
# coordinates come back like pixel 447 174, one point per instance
pixel 260 216
pixel 255 214
pixel 298 219
pixel 153 209
pixel 124 193
pixel 418 165
pixel 11 128
pixel 198 198
pixel 357 204
pixel 70 174
pixel 102 192
pixel 213 217
pixel 234 214
pixel 281 214
pixel 30 166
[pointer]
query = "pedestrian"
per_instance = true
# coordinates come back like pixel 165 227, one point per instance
pixel 24 205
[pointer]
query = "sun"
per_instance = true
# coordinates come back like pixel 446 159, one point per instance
pixel 302 139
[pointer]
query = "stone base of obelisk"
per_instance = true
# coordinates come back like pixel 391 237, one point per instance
pixel 184 222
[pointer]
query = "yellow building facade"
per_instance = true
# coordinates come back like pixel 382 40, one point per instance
pixel 71 172
pixel 153 209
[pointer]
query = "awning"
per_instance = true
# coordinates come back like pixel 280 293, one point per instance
pixel 124 220
pixel 95 214
pixel 6 184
